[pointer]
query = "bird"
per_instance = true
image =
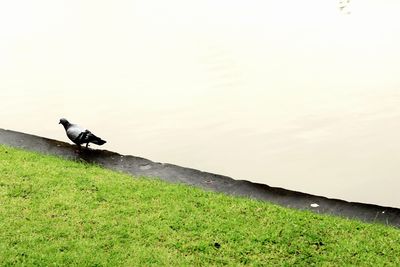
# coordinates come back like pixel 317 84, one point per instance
pixel 80 135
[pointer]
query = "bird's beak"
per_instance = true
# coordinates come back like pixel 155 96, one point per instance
pixel 59 122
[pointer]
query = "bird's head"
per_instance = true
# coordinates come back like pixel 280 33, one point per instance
pixel 63 122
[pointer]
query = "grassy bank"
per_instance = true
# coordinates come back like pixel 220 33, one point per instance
pixel 58 212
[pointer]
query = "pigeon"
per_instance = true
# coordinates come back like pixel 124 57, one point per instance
pixel 79 135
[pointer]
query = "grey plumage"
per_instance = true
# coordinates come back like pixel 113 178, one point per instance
pixel 79 135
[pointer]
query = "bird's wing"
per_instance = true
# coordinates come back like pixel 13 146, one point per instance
pixel 74 131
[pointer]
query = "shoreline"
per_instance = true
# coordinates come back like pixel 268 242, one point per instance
pixel 138 166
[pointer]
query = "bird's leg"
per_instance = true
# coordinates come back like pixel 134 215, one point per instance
pixel 87 144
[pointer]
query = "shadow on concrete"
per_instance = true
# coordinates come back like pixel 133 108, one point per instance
pixel 143 167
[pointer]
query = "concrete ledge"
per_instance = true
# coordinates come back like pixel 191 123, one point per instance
pixel 208 181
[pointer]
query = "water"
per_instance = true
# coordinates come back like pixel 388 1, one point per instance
pixel 342 145
pixel 314 108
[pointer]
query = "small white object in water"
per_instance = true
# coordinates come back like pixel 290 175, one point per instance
pixel 314 205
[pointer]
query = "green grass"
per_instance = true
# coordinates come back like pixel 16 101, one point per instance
pixel 59 212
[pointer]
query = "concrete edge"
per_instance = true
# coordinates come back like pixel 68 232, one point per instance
pixel 172 173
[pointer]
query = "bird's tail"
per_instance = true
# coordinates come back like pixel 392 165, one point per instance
pixel 98 141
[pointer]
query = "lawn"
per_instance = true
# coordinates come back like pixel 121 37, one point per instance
pixel 59 212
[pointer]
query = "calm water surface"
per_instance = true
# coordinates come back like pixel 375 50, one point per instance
pixel 302 95
pixel 332 143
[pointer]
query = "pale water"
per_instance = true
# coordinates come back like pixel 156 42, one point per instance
pixel 292 98
pixel 337 144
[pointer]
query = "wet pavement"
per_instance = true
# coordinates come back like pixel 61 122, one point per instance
pixel 143 167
